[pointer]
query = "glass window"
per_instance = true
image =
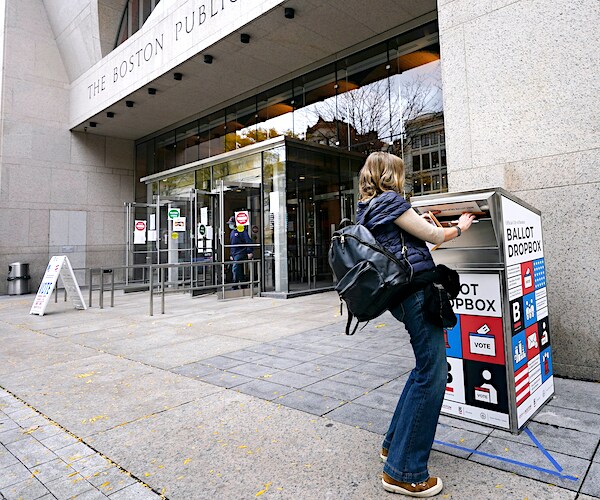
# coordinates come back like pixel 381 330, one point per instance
pixel 178 185
pixel 164 146
pixel 442 137
pixel 187 150
pixel 425 161
pixel 434 138
pixel 216 134
pixel 203 179
pixel 416 142
pixel 443 154
pixel 435 159
pixel 416 162
pixel 424 140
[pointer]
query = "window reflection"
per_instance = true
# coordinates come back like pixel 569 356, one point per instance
pixel 385 97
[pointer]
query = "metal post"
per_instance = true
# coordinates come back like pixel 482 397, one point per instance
pixel 162 288
pixel 151 291
pixel 91 278
pixel 251 279
pixel 56 293
pixel 101 288
pixel 112 288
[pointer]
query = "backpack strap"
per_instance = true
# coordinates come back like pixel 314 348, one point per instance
pixel 372 203
pixel 349 323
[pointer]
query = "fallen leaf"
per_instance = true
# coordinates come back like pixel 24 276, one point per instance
pixel 267 486
pixel 85 375
pixel 380 325
pixel 187 461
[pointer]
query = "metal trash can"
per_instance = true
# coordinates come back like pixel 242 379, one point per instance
pixel 18 278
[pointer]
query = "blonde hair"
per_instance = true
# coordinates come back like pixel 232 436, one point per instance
pixel 381 172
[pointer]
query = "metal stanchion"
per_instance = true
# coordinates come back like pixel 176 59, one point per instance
pixel 91 278
pixel 162 288
pixel 251 279
pixel 151 291
pixel 112 288
pixel 101 288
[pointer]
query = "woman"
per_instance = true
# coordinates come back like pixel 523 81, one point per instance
pixel 408 442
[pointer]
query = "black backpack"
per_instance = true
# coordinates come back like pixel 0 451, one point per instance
pixel 367 275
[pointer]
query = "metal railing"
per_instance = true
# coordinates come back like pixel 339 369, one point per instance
pixel 156 281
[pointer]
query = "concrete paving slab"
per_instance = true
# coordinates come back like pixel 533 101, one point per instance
pixel 573 466
pixel 245 355
pixel 52 470
pixel 393 371
pixel 134 492
pixel 278 363
pixel 74 452
pixel 554 439
pixel 226 379
pixel 30 451
pixel 591 484
pixel 93 494
pixel 252 370
pixel 571 419
pixel 196 370
pixel 68 487
pixel 6 458
pixel 362 417
pixel 337 390
pixel 465 424
pixel 379 400
pixel 221 362
pixel 264 389
pixel 366 380
pixel 467 480
pixel 183 353
pixel 448 435
pixel 295 380
pixel 110 480
pixel 31 489
pixel 39 352
pixel 576 395
pixel 315 369
pixel 233 445
pixel 12 435
pixel 309 402
pixel 13 474
pixel 336 362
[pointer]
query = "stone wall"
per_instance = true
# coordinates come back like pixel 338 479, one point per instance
pixel 60 192
pixel 522 112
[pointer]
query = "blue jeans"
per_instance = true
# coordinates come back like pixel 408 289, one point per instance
pixel 412 430
pixel 238 269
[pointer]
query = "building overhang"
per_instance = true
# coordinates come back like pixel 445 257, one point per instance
pixel 279 47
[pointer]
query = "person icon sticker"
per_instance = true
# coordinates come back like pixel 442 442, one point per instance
pixel 486 392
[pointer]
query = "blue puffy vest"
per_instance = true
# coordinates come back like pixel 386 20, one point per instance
pixel 390 206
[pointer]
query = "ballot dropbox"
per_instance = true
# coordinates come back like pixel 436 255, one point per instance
pixel 499 353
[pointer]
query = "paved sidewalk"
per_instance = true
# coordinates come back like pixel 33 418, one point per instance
pixel 243 399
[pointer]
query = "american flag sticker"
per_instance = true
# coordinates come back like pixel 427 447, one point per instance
pixel 522 384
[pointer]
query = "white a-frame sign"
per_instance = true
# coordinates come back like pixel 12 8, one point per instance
pixel 59 265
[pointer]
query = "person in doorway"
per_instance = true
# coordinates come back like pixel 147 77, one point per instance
pixel 239 239
pixel 394 224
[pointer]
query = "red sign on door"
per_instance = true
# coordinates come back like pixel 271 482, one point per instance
pixel 140 225
pixel 241 218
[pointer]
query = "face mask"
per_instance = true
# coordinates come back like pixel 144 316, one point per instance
pixel 231 226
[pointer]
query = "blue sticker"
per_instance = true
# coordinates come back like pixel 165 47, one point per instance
pixel 519 350
pixel 529 309
pixel 539 273
pixel 453 340
pixel 546 362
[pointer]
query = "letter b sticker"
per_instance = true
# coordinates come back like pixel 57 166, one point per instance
pixel 516 315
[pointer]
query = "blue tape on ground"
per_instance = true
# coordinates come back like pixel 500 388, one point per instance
pixel 508 460
pixel 543 450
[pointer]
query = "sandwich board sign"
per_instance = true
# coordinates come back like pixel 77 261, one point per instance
pixel 59 265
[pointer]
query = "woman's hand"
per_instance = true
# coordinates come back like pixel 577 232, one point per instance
pixel 465 221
